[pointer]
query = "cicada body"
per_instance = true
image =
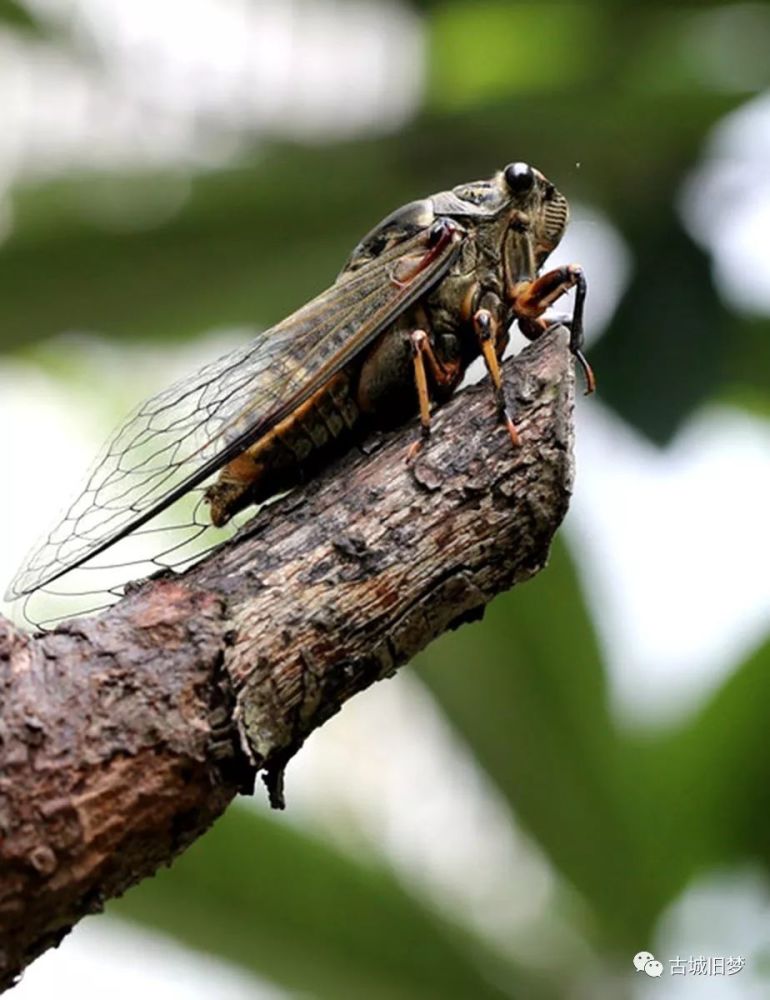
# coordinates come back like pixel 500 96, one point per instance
pixel 431 288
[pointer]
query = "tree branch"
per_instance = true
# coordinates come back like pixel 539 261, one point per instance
pixel 123 736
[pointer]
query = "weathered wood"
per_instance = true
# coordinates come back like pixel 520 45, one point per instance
pixel 123 736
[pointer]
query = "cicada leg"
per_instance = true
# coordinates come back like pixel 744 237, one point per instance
pixel 532 298
pixel 442 374
pixel 487 327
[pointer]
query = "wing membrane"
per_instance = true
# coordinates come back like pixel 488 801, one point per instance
pixel 177 439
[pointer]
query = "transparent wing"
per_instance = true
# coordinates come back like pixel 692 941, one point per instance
pixel 177 439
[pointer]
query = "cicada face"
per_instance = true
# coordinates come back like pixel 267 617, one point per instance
pixel 550 215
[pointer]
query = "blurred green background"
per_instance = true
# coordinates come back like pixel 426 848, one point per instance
pixel 525 808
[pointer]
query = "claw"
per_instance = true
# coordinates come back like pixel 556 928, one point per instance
pixel 513 433
pixel 588 372
pixel 414 450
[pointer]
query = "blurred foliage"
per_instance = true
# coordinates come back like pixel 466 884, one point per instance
pixel 316 920
pixel 645 814
pixel 549 705
pixel 18 17
pixel 615 102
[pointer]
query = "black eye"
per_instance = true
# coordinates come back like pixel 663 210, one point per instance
pixel 519 177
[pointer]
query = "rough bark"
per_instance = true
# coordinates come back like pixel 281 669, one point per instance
pixel 123 736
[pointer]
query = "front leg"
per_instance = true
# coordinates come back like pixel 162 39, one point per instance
pixel 492 340
pixel 531 299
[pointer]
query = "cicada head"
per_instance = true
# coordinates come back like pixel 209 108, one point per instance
pixel 518 198
pixel 539 201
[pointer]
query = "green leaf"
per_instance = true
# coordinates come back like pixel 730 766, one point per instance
pixel 463 75
pixel 747 364
pixel 15 15
pixel 526 690
pixel 667 349
pixel 290 907
pixel 673 345
pixel 713 771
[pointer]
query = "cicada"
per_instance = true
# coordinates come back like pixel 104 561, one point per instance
pixel 437 284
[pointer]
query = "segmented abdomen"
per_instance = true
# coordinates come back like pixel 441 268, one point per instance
pixel 279 460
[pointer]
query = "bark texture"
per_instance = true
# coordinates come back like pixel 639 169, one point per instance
pixel 123 736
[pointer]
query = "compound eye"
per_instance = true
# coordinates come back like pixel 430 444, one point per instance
pixel 519 177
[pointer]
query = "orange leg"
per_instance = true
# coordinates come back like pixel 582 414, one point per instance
pixel 530 300
pixel 487 330
pixel 422 353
